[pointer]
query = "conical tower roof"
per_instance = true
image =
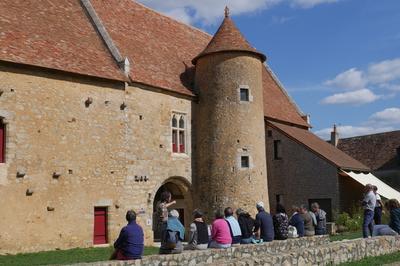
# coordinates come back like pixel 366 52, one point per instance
pixel 228 38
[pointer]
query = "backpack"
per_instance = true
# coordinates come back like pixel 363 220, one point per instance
pixel 171 239
pixel 292 232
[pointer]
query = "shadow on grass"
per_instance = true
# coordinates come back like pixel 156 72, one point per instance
pixel 76 255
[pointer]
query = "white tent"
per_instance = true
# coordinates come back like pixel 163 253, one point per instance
pixel 383 189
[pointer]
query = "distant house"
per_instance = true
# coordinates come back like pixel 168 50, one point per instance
pixel 380 152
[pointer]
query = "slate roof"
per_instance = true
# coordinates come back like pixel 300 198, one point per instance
pixel 58 34
pixel 228 39
pixel 320 147
pixel 378 151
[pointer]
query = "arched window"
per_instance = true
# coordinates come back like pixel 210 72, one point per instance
pixel 178 134
pixel 2 141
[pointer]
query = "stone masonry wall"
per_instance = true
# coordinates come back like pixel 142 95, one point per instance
pixel 300 174
pixel 97 150
pixel 303 251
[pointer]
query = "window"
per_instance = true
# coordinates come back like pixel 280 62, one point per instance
pixel 277 150
pixel 245 161
pixel 2 141
pixel 244 94
pixel 279 198
pixel 178 134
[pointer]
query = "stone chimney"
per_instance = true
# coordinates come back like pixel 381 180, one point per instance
pixel 334 136
pixel 306 118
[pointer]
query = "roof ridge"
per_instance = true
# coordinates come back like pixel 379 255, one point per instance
pixel 372 134
pixel 171 18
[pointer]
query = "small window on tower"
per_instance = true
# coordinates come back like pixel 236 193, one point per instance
pixel 244 94
pixel 245 161
pixel 2 141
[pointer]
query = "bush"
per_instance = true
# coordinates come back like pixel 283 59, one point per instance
pixel 349 222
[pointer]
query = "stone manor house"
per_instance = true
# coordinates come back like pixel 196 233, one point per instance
pixel 104 104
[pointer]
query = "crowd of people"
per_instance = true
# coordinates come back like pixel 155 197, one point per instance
pixel 373 208
pixel 226 230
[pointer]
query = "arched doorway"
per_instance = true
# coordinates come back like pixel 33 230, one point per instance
pixel 180 190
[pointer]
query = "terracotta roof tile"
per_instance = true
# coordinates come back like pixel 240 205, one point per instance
pixel 160 49
pixel 378 151
pixel 54 34
pixel 228 38
pixel 320 147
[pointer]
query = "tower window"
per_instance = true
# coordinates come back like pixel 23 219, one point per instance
pixel 277 150
pixel 244 94
pixel 178 133
pixel 245 161
pixel 2 141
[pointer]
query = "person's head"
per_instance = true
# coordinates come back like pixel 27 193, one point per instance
pixel 228 212
pixel 368 188
pixel 130 216
pixel 295 208
pixel 219 214
pixel 240 211
pixel 280 208
pixel 166 196
pixel 174 213
pixel 392 204
pixel 375 189
pixel 260 206
pixel 197 214
pixel 314 206
pixel 303 208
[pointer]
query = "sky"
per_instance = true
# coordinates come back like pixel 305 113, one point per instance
pixel 338 59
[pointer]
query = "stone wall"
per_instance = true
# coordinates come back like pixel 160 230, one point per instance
pixel 97 150
pixel 303 251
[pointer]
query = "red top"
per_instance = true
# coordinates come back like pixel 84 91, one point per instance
pixel 220 232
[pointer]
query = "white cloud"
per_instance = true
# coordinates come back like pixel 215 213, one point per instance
pixel 382 121
pixel 208 11
pixel 351 79
pixel 357 97
pixel 311 3
pixel 385 71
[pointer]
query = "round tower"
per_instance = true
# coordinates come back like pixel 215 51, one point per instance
pixel 229 132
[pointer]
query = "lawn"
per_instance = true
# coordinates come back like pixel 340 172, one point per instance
pixel 76 255
pixel 372 261
pixel 346 235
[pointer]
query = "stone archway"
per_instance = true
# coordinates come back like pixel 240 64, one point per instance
pixel 180 189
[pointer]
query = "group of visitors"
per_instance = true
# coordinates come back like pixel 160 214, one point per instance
pixel 373 206
pixel 225 231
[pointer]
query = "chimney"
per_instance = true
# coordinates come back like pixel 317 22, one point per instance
pixel 334 136
pixel 306 118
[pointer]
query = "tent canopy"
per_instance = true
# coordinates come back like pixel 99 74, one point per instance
pixel 383 189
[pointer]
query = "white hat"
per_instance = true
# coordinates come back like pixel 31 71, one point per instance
pixel 260 205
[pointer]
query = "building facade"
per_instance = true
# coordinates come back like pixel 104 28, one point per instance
pixel 105 104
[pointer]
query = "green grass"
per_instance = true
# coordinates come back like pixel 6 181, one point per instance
pixel 346 235
pixel 76 255
pixel 372 261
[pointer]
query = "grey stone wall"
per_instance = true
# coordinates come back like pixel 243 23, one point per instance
pixel 303 251
pixel 300 174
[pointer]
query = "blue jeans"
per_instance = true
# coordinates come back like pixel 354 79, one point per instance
pixel 247 240
pixel 383 230
pixel 368 224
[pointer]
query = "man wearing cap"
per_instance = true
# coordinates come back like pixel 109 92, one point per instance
pixel 264 225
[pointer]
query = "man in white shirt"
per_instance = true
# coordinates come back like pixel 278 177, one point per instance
pixel 368 203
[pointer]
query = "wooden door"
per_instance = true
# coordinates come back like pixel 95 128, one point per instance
pixel 100 226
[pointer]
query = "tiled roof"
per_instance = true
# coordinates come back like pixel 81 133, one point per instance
pixel 320 147
pixel 54 34
pixel 228 38
pixel 378 151
pixel 160 49
pixel 58 34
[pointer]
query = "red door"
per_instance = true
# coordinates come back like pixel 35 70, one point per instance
pixel 2 142
pixel 100 226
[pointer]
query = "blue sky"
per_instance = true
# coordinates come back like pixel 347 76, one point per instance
pixel 338 59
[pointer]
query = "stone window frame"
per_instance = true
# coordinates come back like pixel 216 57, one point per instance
pixel 178 129
pixel 244 152
pixel 240 87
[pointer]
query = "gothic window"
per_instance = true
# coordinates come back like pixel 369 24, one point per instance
pixel 178 133
pixel 2 141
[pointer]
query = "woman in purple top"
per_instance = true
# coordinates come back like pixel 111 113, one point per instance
pixel 130 243
pixel 220 232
